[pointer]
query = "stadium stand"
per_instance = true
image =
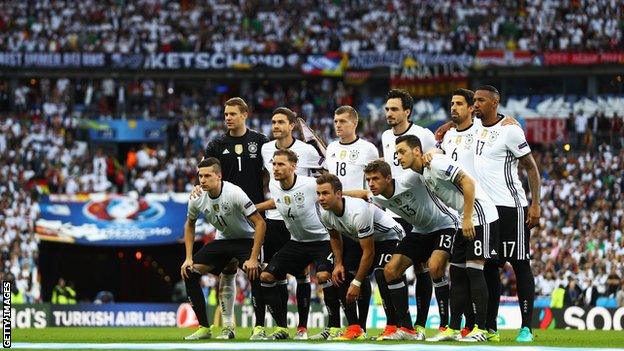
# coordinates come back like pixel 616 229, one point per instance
pixel 142 26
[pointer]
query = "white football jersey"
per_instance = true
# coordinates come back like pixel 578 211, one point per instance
pixel 415 203
pixel 388 139
pixel 497 151
pixel 459 145
pixel 309 159
pixel 347 161
pixel 299 208
pixel 362 219
pixel 227 212
pixel 439 178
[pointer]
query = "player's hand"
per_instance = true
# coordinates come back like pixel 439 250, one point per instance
pixel 534 215
pixel 439 133
pixel 196 192
pixel 353 293
pixel 186 267
pixel 508 120
pixel 426 158
pixel 468 228
pixel 252 268
pixel 338 275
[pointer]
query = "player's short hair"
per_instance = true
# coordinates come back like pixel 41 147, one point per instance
pixel 380 166
pixel 330 179
pixel 347 109
pixel 290 114
pixel 407 102
pixel 291 155
pixel 491 89
pixel 237 101
pixel 467 94
pixel 210 162
pixel 412 141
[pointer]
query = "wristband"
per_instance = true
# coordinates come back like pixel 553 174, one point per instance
pixel 356 282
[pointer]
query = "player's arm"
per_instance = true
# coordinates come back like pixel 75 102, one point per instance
pixel 467 185
pixel 359 193
pixel 528 163
pixel 335 240
pixel 366 261
pixel 189 239
pixel 252 266
pixel 266 205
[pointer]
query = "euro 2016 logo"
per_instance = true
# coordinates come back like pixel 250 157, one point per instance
pixel 123 209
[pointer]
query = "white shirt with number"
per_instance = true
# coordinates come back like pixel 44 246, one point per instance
pixel 347 161
pixel 388 140
pixel 299 209
pixel 497 151
pixel 440 177
pixel 361 219
pixel 309 159
pixel 459 145
pixel 417 205
pixel 227 212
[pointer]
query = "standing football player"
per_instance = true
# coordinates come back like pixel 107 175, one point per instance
pixel 346 159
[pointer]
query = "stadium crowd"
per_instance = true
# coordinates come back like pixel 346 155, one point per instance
pixel 270 26
pixel 579 244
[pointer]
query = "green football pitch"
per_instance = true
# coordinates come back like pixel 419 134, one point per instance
pixel 171 339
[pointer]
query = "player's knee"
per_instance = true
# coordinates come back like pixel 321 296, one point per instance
pixel 437 267
pixel 267 277
pixel 322 277
pixel 391 272
pixel 231 267
pixel 201 269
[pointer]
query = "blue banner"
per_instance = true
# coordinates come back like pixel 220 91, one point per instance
pixel 115 220
pixel 127 131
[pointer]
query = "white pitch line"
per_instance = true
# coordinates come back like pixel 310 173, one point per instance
pixel 287 346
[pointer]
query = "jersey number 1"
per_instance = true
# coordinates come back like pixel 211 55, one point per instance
pixel 341 169
pixel 240 165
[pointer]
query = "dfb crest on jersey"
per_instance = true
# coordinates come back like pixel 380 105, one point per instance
pixel 343 154
pixel 299 199
pixel 493 136
pixel 226 207
pixel 238 148
pixel 252 147
pixel 353 155
pixel 469 139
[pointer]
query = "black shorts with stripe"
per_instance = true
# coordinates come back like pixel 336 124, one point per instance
pixel 293 257
pixel 514 234
pixel 277 235
pixel 219 253
pixel 419 247
pixel 483 247
pixel 352 254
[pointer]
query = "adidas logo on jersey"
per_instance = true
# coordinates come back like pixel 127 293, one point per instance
pixel 225 152
pixel 493 252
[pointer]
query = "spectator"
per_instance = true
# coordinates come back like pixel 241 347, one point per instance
pixel 620 296
pixel 573 294
pixel 63 294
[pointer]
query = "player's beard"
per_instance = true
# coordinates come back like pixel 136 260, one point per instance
pixel 478 114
